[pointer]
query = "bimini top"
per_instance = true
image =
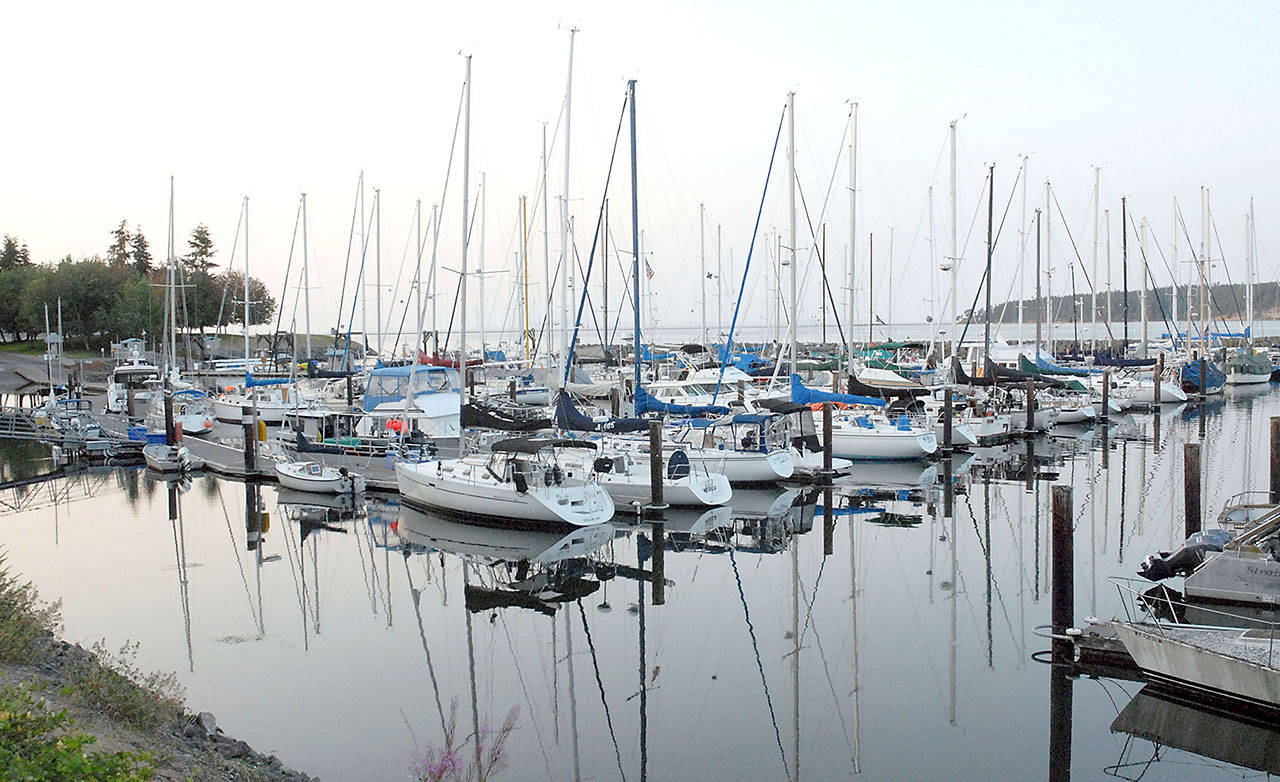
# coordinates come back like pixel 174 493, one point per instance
pixel 535 444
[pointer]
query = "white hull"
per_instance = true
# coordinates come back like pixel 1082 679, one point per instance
pixel 464 486
pixel 1144 393
pixel 743 467
pixel 961 434
pixel 170 458
pixel 1215 660
pixel 317 478
pixel 228 410
pixel 1246 378
pixel 989 428
pixel 857 443
pixel 810 463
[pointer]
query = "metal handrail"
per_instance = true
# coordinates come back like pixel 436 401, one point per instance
pixel 1123 585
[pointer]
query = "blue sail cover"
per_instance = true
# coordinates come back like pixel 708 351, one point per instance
pixel 648 403
pixel 647 355
pixel 570 417
pixel 1191 375
pixel 251 382
pixel 807 396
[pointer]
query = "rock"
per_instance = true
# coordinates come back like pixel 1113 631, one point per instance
pixel 194 730
pixel 207 721
pixel 234 748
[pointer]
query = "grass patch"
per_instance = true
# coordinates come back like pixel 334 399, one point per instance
pixel 112 683
pixel 27 624
pixel 38 744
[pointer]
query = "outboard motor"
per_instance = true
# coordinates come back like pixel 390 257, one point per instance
pixel 1157 567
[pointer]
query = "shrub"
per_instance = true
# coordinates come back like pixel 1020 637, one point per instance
pixel 113 684
pixel 27 625
pixel 37 744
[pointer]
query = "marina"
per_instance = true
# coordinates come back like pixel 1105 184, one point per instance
pixel 353 626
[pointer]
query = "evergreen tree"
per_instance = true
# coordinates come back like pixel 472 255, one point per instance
pixel 140 252
pixel 118 251
pixel 200 258
pixel 14 254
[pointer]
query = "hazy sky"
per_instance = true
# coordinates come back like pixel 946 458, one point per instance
pixel 104 101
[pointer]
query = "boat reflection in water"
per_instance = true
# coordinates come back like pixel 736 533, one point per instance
pixel 1167 722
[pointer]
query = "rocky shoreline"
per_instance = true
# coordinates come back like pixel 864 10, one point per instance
pixel 188 747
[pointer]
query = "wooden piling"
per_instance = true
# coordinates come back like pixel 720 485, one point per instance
pixel 1275 459
pixel 659 564
pixel 1191 488
pixel 1159 375
pixel 1106 395
pixel 1031 407
pixel 742 392
pixel 1063 610
pixel 170 434
pixel 827 472
pixel 615 402
pixel 511 390
pixel 948 417
pixel 250 440
pixel 656 502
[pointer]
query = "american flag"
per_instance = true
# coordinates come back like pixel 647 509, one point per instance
pixel 648 270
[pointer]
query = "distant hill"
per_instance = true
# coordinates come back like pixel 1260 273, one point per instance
pixel 1225 301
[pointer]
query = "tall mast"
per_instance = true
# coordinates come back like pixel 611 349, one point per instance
pixel 871 289
pixel 246 287
pixel 1039 301
pixel 1022 251
pixel 1177 273
pixel 364 281
pixel 791 217
pixel 635 230
pixel 1252 246
pixel 1204 272
pixel 377 266
pixel 306 278
pixel 888 326
pixel 1124 266
pixel 1048 262
pixel 1106 222
pixel 462 279
pixel 702 267
pixel 417 277
pixel 853 225
pixel 524 271
pixel 546 248
pixel 480 269
pixel 933 279
pixel 172 296
pixel 1142 300
pixel 1093 279
pixel 566 274
pixel 991 201
pixel 435 281
pixel 955 253
pixel 719 291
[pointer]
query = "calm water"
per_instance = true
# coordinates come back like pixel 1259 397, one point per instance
pixel 343 641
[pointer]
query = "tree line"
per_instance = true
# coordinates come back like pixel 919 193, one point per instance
pixel 121 293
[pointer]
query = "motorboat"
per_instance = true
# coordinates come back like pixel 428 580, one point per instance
pixel 629 482
pixel 136 379
pixel 171 458
pixel 519 482
pixel 1248 368
pixel 192 410
pixel 318 478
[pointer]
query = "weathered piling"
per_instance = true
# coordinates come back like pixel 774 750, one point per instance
pixel 351 396
pixel 948 418
pixel 742 392
pixel 615 402
pixel 1063 610
pixel 250 440
pixel 1031 407
pixel 511 390
pixel 659 564
pixel 656 502
pixel 170 434
pixel 128 403
pixel 1275 459
pixel 828 522
pixel 827 472
pixel 1106 396
pixel 1191 488
pixel 1158 376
